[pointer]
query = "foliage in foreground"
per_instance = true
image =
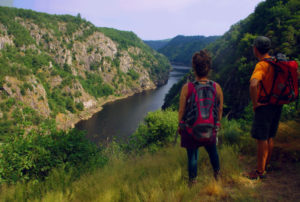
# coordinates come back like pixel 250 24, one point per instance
pixel 34 155
pixel 159 173
pixel 158 130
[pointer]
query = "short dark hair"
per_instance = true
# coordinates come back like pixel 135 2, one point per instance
pixel 201 63
pixel 262 44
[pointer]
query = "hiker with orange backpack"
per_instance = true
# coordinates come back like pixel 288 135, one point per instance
pixel 200 112
pixel 272 84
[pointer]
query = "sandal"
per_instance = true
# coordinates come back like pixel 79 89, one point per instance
pixel 255 175
pixel 216 175
pixel 192 182
pixel 269 168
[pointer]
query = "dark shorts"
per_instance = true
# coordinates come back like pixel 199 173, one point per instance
pixel 266 120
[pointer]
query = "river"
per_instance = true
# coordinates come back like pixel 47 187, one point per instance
pixel 118 120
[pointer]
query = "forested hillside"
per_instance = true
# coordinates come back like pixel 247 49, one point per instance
pixel 157 44
pixel 61 67
pixel 233 59
pixel 181 48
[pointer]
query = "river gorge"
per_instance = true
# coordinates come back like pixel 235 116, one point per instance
pixel 119 119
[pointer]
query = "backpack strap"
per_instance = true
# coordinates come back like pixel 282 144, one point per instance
pixel 191 86
pixel 272 62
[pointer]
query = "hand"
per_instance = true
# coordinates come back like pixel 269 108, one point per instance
pixel 258 104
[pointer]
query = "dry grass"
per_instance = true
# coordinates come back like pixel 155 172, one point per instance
pixel 163 177
pixel 287 142
pixel 158 177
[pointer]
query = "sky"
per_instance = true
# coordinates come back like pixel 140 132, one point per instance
pixel 152 19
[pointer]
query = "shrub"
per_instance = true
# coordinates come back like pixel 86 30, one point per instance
pixel 133 74
pixel 33 156
pixel 159 128
pixel 79 106
pixel 231 132
pixel 234 134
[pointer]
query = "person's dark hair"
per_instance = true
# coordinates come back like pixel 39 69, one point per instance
pixel 262 44
pixel 201 63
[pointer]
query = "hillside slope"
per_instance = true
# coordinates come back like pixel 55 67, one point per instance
pixel 157 44
pixel 64 68
pixel 233 59
pixel 181 48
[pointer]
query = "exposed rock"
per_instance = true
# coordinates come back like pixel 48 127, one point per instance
pixel 126 62
pixel 4 39
pixel 35 98
pixel 86 53
pixel 55 81
pixel 89 103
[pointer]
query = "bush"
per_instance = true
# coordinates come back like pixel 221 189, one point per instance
pixel 133 74
pixel 33 156
pixel 159 129
pixel 233 133
pixel 290 111
pixel 79 106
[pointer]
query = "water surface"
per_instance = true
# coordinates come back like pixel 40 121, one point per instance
pixel 119 119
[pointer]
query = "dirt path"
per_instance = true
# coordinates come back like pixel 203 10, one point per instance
pixel 281 184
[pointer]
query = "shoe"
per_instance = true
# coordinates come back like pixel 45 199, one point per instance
pixel 192 182
pixel 216 175
pixel 269 168
pixel 255 175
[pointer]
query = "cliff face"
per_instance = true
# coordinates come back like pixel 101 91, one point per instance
pixel 64 68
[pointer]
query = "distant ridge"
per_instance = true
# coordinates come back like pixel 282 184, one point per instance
pixel 157 44
pixel 180 49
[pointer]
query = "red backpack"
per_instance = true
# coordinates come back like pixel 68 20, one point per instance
pixel 285 83
pixel 201 112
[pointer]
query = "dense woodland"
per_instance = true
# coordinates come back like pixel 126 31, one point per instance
pixel 233 59
pixel 157 44
pixel 180 49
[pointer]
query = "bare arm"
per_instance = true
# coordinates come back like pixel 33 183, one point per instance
pixel 182 102
pixel 253 93
pixel 221 100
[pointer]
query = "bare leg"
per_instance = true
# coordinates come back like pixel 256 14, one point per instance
pixel 262 155
pixel 270 149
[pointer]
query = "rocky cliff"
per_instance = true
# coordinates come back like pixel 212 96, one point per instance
pixel 65 68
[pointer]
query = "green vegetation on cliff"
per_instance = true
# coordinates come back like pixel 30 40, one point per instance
pixel 233 59
pixel 157 44
pixel 61 65
pixel 180 49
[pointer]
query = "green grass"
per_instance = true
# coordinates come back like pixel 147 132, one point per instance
pixel 151 177
pixel 161 174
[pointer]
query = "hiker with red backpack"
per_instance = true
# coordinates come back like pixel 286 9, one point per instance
pixel 200 112
pixel 273 83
